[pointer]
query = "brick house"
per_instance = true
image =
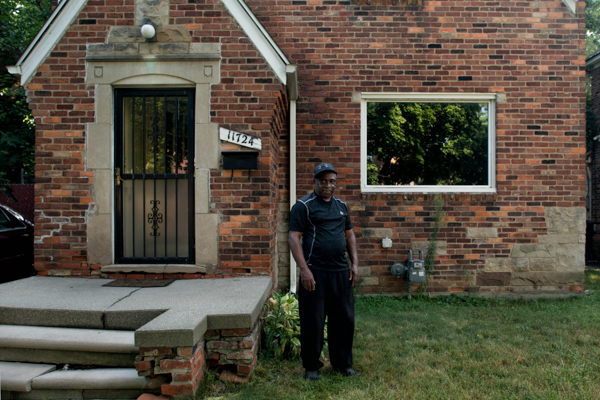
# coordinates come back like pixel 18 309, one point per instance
pixel 177 156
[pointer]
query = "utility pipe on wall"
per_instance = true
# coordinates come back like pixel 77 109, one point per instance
pixel 293 94
pixel 293 282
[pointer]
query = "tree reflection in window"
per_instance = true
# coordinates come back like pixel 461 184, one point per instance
pixel 155 140
pixel 427 143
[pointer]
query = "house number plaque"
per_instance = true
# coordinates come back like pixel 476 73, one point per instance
pixel 240 138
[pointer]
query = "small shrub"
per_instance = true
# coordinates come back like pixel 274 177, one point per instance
pixel 282 326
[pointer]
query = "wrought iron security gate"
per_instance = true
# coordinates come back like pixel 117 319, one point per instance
pixel 154 176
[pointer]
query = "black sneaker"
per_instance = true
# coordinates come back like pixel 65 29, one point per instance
pixel 311 375
pixel 349 372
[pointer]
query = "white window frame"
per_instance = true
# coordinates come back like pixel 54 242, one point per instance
pixel 489 98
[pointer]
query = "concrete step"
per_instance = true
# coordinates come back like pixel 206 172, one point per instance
pixel 96 379
pixel 35 344
pixel 37 381
pixel 18 376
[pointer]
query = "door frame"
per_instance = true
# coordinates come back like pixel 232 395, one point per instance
pixel 118 166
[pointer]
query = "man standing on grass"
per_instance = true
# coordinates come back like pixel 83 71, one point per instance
pixel 320 234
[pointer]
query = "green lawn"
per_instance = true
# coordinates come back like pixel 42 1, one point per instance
pixel 452 348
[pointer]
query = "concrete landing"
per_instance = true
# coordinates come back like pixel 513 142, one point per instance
pixel 171 316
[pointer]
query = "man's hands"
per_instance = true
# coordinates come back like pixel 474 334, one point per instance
pixel 354 274
pixel 306 276
pixel 351 247
pixel 307 279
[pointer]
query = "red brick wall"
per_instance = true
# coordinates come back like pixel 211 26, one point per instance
pixel 249 99
pixel 61 105
pixel 528 52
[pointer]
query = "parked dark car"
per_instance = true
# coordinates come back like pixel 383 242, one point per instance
pixel 16 245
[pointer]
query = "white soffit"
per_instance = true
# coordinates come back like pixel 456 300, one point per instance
pixel 52 31
pixel 259 36
pixel 571 4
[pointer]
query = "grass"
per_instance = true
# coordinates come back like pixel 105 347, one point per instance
pixel 451 348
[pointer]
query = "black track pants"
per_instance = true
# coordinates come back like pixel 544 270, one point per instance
pixel 333 297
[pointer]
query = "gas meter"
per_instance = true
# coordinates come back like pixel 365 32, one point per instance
pixel 414 270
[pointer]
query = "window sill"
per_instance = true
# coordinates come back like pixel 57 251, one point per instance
pixel 462 197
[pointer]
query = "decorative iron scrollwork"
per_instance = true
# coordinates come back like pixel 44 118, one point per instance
pixel 155 218
pixel 155 139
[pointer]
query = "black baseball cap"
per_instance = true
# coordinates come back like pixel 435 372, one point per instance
pixel 324 167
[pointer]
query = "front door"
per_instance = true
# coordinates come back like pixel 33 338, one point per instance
pixel 154 176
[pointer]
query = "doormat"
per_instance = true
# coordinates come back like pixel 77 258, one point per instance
pixel 143 283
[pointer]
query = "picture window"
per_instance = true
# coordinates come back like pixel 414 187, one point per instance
pixel 428 142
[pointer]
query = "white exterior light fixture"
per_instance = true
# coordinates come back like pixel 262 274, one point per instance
pixel 149 30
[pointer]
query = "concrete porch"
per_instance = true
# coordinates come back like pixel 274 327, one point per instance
pixel 172 334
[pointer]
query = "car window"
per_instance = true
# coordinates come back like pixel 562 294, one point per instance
pixel 7 221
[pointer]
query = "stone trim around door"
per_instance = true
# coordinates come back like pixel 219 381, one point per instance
pixel 197 66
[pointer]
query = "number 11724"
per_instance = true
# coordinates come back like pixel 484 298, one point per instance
pixel 240 138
